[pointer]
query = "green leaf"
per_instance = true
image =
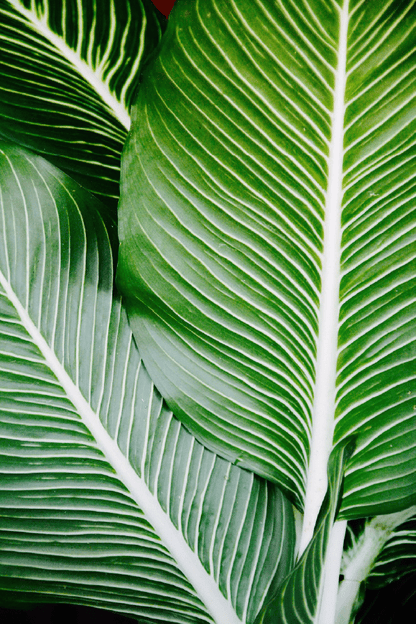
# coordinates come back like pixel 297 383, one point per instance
pixel 106 499
pixel 69 71
pixel 397 558
pixel 267 232
pixel 298 600
pixel 362 552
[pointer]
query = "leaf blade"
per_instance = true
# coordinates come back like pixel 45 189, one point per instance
pixel 376 366
pixel 230 321
pixel 75 109
pixel 74 390
pixel 240 240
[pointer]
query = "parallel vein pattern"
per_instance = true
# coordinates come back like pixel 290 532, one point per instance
pixel 398 557
pixel 68 73
pixel 220 252
pixel 299 596
pixel 377 365
pixel 70 524
pixel 227 184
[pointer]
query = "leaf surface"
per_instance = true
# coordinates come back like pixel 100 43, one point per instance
pixel 298 599
pixel 268 239
pixel 106 499
pixel 398 557
pixel 69 70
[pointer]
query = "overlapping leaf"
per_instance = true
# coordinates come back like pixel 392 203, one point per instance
pixel 225 289
pixel 370 545
pixel 106 499
pixel 377 365
pixel 398 557
pixel 68 72
pixel 298 599
pixel 267 220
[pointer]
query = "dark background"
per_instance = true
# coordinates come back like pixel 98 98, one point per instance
pixel 62 614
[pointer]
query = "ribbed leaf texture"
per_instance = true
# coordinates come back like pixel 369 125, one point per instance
pixel 268 238
pixel 106 499
pixel 376 365
pixel 298 598
pixel 398 557
pixel 68 73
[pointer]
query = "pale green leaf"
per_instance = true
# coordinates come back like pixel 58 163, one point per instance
pixel 106 499
pixel 363 550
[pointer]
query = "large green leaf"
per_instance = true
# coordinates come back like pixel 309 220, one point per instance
pixel 268 239
pixel 105 498
pixel 68 73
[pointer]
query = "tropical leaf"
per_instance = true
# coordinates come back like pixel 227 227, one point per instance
pixel 365 551
pixel 397 558
pixel 106 499
pixel 299 597
pixel 268 239
pixel 69 71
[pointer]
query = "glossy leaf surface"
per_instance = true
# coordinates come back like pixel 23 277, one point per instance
pixel 106 499
pixel 68 73
pixel 298 599
pixel 268 238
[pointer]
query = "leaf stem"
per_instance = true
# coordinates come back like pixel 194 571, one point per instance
pixel 329 587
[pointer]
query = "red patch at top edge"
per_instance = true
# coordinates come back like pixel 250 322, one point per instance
pixel 164 6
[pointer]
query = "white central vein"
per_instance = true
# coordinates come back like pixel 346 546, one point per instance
pixel 94 78
pixel 205 586
pixel 326 362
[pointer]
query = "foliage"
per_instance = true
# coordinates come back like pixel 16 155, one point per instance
pixel 240 448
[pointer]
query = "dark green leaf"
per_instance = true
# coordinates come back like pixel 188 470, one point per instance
pixel 68 73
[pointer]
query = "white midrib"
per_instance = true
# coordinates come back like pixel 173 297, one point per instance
pixel 362 557
pixel 207 590
pixel 324 397
pixel 92 77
